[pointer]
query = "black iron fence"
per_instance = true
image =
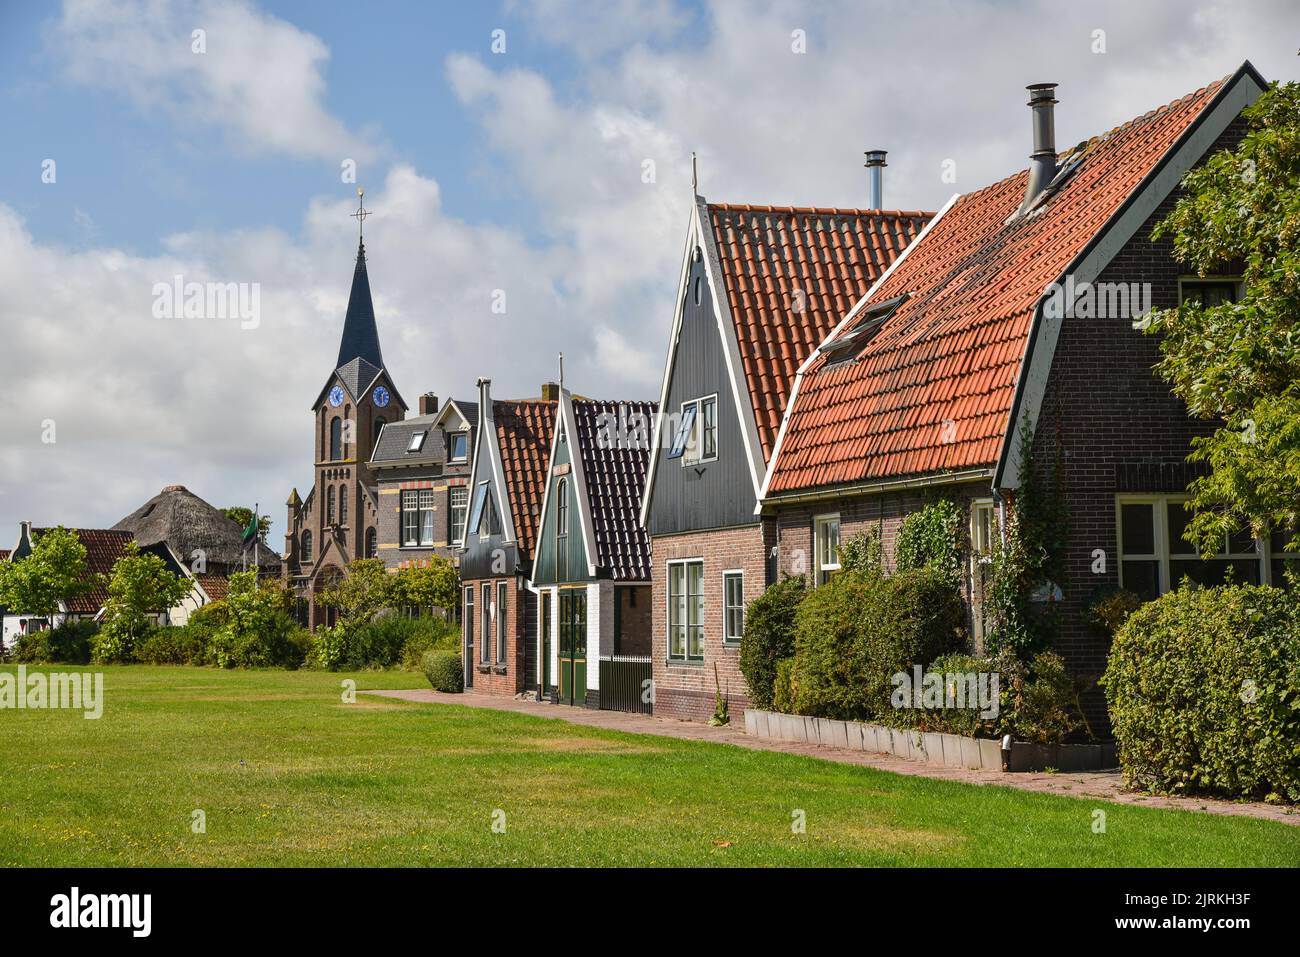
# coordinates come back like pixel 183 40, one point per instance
pixel 625 684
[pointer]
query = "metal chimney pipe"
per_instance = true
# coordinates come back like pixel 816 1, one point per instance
pixel 1042 161
pixel 876 163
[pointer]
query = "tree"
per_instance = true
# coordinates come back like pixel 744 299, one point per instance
pixel 241 516
pixel 140 586
pixel 257 630
pixel 1239 362
pixel 366 591
pixel 49 578
pixel 436 585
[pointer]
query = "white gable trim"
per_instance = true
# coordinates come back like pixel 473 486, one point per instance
pixel 488 432
pixel 1036 366
pixel 568 426
pixel 848 317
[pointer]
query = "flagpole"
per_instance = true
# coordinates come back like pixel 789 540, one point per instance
pixel 257 535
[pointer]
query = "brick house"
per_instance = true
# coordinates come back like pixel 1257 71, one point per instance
pixel 1016 308
pixel 591 573
pixel 421 467
pixel 759 288
pixel 507 482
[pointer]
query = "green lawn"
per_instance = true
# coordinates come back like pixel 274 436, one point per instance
pixel 288 774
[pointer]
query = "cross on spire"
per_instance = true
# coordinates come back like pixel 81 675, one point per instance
pixel 361 213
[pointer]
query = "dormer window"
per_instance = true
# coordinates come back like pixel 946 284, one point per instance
pixel 417 441
pixel 849 345
pixel 457 446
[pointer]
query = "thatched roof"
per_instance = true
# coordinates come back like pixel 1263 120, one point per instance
pixel 185 522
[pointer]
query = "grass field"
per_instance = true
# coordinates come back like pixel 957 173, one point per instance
pixel 286 773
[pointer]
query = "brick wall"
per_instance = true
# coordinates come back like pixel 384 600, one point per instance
pixel 636 619
pixel 518 673
pixel 686 691
pixel 390 520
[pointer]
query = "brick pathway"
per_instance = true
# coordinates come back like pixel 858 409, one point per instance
pixel 1099 785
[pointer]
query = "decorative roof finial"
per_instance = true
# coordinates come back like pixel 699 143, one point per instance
pixel 561 370
pixel 361 213
pixel 695 174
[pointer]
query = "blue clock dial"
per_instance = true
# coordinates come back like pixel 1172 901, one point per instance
pixel 336 396
pixel 380 395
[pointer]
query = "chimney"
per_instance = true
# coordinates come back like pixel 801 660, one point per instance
pixel 876 163
pixel 1042 161
pixel 550 391
pixel 428 404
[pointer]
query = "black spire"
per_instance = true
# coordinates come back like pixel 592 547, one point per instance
pixel 360 335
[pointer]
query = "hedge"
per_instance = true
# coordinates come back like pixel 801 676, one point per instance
pixel 69 643
pixel 769 637
pixel 444 671
pixel 1204 691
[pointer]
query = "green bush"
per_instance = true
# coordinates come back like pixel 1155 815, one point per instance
pixel 856 631
pixel 931 538
pixel 769 637
pixel 268 640
pixel 178 645
pixel 444 671
pixel 783 689
pixel 1044 700
pixel 435 635
pixel 1204 692
pixel 968 721
pixel 1108 611
pixel 69 643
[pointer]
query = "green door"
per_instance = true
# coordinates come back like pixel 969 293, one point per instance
pixel 573 646
pixel 546 642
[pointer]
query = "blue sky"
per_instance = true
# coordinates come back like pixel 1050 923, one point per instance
pixel 519 171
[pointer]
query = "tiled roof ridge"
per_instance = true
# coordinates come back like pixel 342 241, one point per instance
pixel 817 210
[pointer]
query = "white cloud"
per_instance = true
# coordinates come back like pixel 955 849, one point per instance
pixel 260 82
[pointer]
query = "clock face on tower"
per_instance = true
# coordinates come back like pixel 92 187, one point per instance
pixel 380 395
pixel 336 396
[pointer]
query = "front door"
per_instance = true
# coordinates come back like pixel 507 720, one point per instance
pixel 573 646
pixel 544 630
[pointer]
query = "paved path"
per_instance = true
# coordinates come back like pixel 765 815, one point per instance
pixel 1099 785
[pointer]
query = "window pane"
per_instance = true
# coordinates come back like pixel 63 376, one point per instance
pixel 1242 543
pixel 710 410
pixel 1138 521
pixel 1143 578
pixel 1178 519
pixel 684 431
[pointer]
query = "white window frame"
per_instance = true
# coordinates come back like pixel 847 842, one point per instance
pixel 416 442
pixel 1164 553
pixel 686 626
pixel 451 440
pixel 453 508
pixel 822 572
pixel 693 453
pixel 410 530
pixel 727 637
pixel 425 500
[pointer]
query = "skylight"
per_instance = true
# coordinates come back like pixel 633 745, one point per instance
pixel 846 346
pixel 417 441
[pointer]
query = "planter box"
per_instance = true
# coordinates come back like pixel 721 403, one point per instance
pixel 948 750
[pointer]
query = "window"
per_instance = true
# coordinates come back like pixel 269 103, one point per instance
pixel 457 446
pixel 826 546
pixel 372 543
pixel 416 441
pixel 699 289
pixel 469 619
pixel 1154 557
pixel 485 636
pixel 476 513
pixel 343 505
pixel 501 623
pixel 457 504
pixel 1208 292
pixel 380 422
pixel 982 529
pixel 336 439
pixel 304 553
pixel 488 524
pixel 562 529
pixel 410 517
pixel 329 505
pixel 697 437
pixel 733 602
pixel 686 610
pixel 426 516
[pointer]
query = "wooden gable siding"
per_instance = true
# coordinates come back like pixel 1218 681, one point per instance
pixel 717 494
pixel 544 572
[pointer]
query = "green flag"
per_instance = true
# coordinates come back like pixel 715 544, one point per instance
pixel 250 533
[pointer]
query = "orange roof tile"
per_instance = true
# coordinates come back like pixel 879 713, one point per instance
pixel 789 275
pixel 933 390
pixel 524 428
pixel 104 546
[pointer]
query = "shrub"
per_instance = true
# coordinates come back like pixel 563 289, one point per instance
pixel 69 643
pixel 392 638
pixel 855 632
pixel 179 645
pixel 1204 692
pixel 444 671
pixel 862 554
pixel 769 637
pixel 437 635
pixel 329 647
pixel 1044 701
pixel 783 689
pixel 969 720
pixel 1111 608
pixel 931 538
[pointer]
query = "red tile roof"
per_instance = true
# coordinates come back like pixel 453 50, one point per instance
pixel 216 586
pixel 933 390
pixel 4 554
pixel 104 546
pixel 790 274
pixel 524 428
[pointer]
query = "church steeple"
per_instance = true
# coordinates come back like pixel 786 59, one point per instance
pixel 360 334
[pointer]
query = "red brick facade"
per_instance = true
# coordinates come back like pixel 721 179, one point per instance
pixel 685 690
pixel 515 672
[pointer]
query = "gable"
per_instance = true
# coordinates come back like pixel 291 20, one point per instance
pixel 567 559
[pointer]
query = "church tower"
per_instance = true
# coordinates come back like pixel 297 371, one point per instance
pixel 337 521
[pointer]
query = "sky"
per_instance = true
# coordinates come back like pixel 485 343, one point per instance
pixel 534 155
